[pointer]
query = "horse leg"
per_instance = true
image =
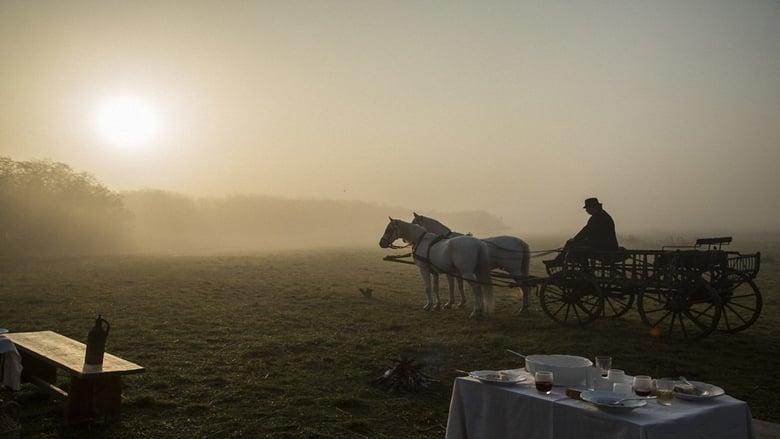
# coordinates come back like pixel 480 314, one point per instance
pixel 478 310
pixel 436 305
pixel 526 299
pixel 462 293
pixel 426 275
pixel 518 277
pixel 450 282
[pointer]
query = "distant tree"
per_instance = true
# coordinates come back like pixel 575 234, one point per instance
pixel 47 208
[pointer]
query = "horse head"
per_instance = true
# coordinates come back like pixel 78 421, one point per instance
pixel 390 235
pixel 431 225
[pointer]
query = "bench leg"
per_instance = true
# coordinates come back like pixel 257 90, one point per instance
pixel 34 367
pixel 94 399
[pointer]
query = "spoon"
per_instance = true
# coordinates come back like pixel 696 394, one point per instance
pixel 620 401
pixel 515 353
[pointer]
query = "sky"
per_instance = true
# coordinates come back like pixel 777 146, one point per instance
pixel 668 111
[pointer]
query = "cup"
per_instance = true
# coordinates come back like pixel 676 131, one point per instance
pixel 643 385
pixel 594 379
pixel 664 391
pixel 623 388
pixel 604 363
pixel 544 381
pixel 616 375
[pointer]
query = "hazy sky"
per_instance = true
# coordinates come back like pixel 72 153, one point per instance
pixel 669 111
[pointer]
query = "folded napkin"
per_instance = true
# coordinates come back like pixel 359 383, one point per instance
pixel 10 364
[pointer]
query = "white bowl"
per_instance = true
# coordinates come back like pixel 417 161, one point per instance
pixel 568 370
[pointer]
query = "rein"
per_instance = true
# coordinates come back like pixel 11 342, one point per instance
pixel 535 253
pixel 540 253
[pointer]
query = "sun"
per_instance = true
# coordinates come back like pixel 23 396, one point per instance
pixel 127 121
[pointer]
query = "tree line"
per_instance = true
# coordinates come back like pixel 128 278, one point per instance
pixel 49 209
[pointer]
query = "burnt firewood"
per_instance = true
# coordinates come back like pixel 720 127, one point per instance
pixel 405 375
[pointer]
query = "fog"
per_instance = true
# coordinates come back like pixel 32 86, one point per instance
pixel 168 222
pixel 325 117
pixel 49 209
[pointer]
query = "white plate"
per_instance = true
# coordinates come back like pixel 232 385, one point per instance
pixel 605 400
pixel 505 377
pixel 709 391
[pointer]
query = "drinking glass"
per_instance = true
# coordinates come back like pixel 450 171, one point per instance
pixel 665 389
pixel 604 363
pixel 544 382
pixel 623 388
pixel 616 375
pixel 643 385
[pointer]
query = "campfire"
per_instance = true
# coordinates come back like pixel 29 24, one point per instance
pixel 405 375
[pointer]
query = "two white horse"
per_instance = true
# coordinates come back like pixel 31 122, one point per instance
pixel 464 256
pixel 507 253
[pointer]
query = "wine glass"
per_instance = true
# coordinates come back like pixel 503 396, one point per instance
pixel 643 385
pixel 544 382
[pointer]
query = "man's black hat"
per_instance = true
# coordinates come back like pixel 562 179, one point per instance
pixel 592 202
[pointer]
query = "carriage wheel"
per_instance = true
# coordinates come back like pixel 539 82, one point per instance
pixel 617 303
pixel 742 302
pixel 688 313
pixel 571 301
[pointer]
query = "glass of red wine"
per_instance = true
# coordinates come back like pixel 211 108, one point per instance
pixel 643 385
pixel 544 382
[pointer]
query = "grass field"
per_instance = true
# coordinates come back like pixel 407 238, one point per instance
pixel 284 345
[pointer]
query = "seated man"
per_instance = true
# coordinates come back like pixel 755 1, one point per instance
pixel 597 236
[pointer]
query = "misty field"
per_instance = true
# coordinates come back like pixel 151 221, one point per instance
pixel 284 345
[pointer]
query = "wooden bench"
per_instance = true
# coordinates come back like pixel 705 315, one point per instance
pixel 95 392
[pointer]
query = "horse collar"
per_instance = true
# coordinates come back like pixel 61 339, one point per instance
pixel 434 241
pixel 419 240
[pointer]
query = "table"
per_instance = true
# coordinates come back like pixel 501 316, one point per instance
pixel 95 391
pixel 479 410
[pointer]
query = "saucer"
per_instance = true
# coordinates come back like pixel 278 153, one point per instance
pixel 708 391
pixel 606 400
pixel 505 377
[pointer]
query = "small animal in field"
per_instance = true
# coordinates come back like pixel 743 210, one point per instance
pixel 366 292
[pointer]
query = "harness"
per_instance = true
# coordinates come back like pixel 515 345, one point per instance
pixel 427 258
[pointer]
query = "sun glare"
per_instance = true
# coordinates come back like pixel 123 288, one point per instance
pixel 128 122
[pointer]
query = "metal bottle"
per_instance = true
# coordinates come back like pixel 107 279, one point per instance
pixel 96 342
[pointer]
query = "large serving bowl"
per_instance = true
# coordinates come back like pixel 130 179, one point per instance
pixel 568 370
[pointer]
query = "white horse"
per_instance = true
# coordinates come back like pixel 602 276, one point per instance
pixel 464 256
pixel 507 253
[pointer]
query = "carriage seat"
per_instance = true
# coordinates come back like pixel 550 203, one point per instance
pixel 589 257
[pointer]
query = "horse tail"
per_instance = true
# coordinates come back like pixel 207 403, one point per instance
pixel 483 270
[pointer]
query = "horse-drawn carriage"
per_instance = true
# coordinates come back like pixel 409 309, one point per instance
pixel 681 292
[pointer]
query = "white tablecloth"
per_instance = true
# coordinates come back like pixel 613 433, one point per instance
pixel 10 364
pixel 488 411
